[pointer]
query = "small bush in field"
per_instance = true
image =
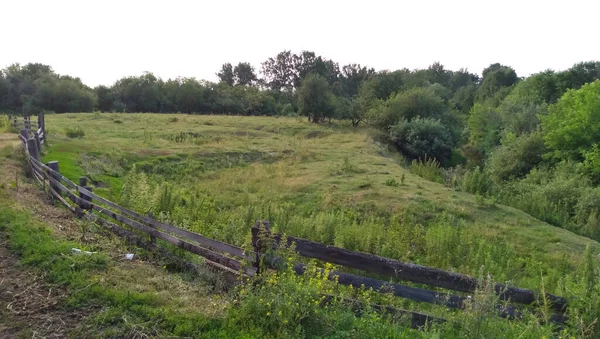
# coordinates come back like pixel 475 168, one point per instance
pixel 392 182
pixel 429 169
pixel 477 182
pixel 173 119
pixel 117 121
pixel 75 132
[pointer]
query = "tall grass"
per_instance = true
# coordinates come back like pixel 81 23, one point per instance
pixel 428 168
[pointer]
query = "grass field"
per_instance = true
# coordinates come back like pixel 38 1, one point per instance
pixel 330 183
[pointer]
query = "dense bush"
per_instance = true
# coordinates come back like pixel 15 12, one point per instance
pixel 516 157
pixel 410 104
pixel 423 137
pixel 74 132
pixel 572 125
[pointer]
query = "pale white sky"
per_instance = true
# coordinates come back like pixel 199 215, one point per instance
pixel 102 41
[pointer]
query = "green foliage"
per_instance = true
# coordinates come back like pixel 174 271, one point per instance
pixel 590 165
pixel 572 125
pixel 477 181
pixel 497 80
pixel 516 157
pixel 408 105
pixel 423 137
pixel 484 127
pixel 4 124
pixel 392 182
pixel 315 99
pixel 74 132
pixel 427 168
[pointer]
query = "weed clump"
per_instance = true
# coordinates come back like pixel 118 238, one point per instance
pixel 74 132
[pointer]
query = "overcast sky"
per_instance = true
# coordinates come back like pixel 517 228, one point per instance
pixel 102 41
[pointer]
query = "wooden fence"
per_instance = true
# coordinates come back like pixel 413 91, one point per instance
pixel 24 122
pixel 235 261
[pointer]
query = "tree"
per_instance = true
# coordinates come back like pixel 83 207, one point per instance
pixel 279 72
pixel 484 127
pixel 423 137
pixel 353 76
pixel 244 74
pixel 226 74
pixel 105 98
pixel 496 77
pixel 572 125
pixel 315 99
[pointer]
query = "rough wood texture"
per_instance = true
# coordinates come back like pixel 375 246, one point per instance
pixel 204 252
pixel 213 244
pixel 411 272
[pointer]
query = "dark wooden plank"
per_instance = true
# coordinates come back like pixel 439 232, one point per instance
pixel 407 292
pixel 72 196
pixel 204 252
pixel 418 320
pixel 411 272
pixel 68 182
pixel 61 199
pixel 214 244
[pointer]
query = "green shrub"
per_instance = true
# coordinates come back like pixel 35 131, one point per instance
pixel 391 182
pixel 117 121
pixel 74 132
pixel 408 105
pixel 477 181
pixel 4 123
pixel 515 158
pixel 427 168
pixel 423 137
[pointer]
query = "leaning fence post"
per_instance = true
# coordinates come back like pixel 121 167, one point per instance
pixel 32 149
pixel 259 235
pixel 152 238
pixel 53 165
pixel 36 137
pixel 25 133
pixel 83 183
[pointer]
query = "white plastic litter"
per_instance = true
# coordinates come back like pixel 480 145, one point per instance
pixel 129 256
pixel 78 251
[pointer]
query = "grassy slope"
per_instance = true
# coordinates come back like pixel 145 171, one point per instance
pixel 325 167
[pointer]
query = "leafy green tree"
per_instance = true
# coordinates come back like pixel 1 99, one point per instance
pixel 105 98
pixel 226 74
pixel 423 137
pixel 353 76
pixel 572 125
pixel 315 99
pixel 497 80
pixel 244 74
pixel 280 72
pixel 485 126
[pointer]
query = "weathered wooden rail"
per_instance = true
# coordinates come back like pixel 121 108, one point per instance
pixel 264 241
pixel 386 274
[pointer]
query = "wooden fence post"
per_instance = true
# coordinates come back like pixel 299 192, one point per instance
pixel 83 183
pixel 25 133
pixel 54 166
pixel 152 238
pixel 260 231
pixel 32 149
pixel 36 137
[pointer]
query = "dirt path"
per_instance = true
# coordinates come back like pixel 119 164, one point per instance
pixel 28 307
